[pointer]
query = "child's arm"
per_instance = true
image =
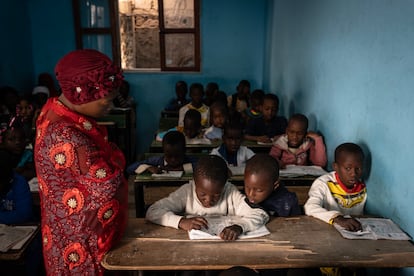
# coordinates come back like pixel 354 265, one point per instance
pixel 167 211
pixel 248 218
pixel 192 223
pixel 349 224
pixel 317 152
pixel 314 205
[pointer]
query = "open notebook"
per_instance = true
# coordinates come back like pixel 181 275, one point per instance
pixel 14 237
pixel 217 224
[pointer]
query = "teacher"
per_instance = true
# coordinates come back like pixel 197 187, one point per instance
pixel 83 191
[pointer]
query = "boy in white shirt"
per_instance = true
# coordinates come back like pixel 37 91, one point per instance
pixel 209 194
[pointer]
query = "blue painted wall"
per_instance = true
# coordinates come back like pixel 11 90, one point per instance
pixel 16 62
pixel 349 65
pixel 232 48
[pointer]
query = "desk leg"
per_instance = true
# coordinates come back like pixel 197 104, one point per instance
pixel 139 200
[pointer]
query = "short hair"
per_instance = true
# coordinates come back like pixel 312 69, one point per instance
pixel 193 116
pixel 300 118
pixel 212 167
pixel 263 164
pixel 348 148
pixel 244 83
pixel 174 138
pixel 257 95
pixel 232 125
pixel 198 86
pixel 272 97
pixel 181 83
pixel 212 86
pixel 218 105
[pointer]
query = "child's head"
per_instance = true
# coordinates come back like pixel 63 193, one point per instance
pixel 173 145
pixel 25 109
pixel 210 176
pixel 256 100
pixel 261 177
pixel 12 137
pixel 232 137
pixel 218 114
pixel 296 130
pixel 243 90
pixel 270 106
pixel 349 159
pixel 196 94
pixel 6 172
pixel 192 123
pixel 212 89
pixel 181 89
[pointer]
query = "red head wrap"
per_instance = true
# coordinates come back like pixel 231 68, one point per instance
pixel 87 75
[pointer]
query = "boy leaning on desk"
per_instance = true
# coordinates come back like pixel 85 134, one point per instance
pixel 209 194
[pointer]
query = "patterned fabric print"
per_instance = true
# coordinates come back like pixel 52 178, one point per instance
pixel 346 199
pixel 82 189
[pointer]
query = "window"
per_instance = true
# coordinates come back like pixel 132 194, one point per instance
pixel 141 34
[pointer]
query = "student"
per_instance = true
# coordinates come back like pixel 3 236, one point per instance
pixel 196 95
pixel 239 101
pixel 256 104
pixel 211 92
pixel 181 90
pixel 218 118
pixel 208 194
pixel 25 111
pixel 15 195
pixel 265 129
pixel 174 158
pixel 191 128
pixel 263 188
pixel 13 140
pixel 340 193
pixel 231 150
pixel 299 146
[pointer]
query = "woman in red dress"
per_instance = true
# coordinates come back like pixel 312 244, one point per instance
pixel 83 190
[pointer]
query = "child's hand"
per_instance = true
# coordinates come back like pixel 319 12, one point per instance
pixel 312 135
pixel 264 139
pixel 231 233
pixel 154 169
pixel 349 224
pixel 192 223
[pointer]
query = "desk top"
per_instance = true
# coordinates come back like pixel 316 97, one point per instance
pixel 156 146
pixel 17 254
pixel 294 242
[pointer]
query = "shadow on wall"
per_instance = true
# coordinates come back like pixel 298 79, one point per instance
pixel 367 161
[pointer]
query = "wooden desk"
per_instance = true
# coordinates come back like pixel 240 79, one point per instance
pixel 156 146
pixel 295 242
pixel 148 189
pixel 17 254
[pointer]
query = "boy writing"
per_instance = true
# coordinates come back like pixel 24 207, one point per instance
pixel 208 194
pixel 299 146
pixel 174 158
pixel 341 192
pixel 263 189
pixel 265 128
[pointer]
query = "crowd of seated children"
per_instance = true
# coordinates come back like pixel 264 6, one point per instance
pixel 231 149
pixel 298 146
pixel 263 188
pixel 180 100
pixel 13 140
pixel 211 92
pixel 218 117
pixel 255 108
pixel 340 193
pixel 267 127
pixel 174 157
pixel 15 195
pixel 209 193
pixel 196 95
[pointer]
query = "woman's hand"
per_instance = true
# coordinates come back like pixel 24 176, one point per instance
pixel 231 233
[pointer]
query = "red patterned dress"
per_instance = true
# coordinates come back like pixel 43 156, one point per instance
pixel 83 191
